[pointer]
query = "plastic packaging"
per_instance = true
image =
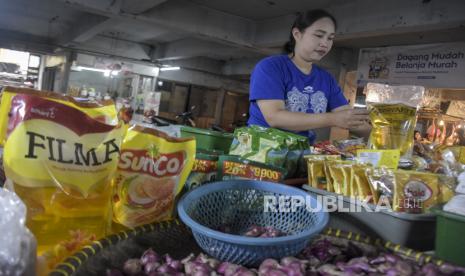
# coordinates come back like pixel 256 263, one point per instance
pixel 208 139
pixel 152 171
pixel 60 157
pixel 456 205
pixel 235 167
pixel 103 111
pixel 460 188
pixel 18 245
pixel 272 147
pixel 205 170
pixel 416 231
pixel 393 115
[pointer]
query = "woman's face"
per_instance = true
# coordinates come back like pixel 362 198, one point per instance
pixel 315 41
pixel 417 136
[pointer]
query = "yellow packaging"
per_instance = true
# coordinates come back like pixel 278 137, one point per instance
pixel 393 126
pixel 316 170
pixel 445 194
pixel 340 172
pixel 103 111
pixel 382 183
pixel 379 158
pixel 60 161
pixel 316 174
pixel 415 192
pixel 329 178
pixel 447 185
pixel 359 186
pixel 152 171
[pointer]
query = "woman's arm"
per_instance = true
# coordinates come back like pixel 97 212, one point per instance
pixel 362 130
pixel 277 116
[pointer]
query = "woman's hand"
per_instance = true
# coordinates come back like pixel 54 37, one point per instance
pixel 354 119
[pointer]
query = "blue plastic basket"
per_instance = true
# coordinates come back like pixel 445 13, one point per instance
pixel 241 204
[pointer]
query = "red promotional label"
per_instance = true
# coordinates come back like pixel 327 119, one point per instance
pixel 204 166
pixel 250 172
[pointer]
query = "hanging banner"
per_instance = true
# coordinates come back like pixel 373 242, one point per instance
pixel 432 65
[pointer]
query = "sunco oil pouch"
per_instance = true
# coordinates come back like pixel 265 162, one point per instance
pixel 152 170
pixel 60 160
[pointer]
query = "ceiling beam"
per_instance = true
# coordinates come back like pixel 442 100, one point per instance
pixel 25 42
pixel 191 47
pixel 89 28
pixel 205 79
pixel 92 25
pixel 239 66
pixel 199 63
pixel 185 16
pixel 366 20
pixel 139 6
pixel 109 46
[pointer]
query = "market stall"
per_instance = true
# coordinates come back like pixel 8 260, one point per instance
pixel 117 182
pixel 143 161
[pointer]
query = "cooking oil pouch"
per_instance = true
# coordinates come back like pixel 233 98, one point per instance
pixel 152 171
pixel 341 174
pixel 60 161
pixel 205 170
pixel 235 167
pixel 382 183
pixel 393 115
pixel 415 192
pixel 329 177
pixel 359 186
pixel 103 111
pixel 316 170
pixel 316 174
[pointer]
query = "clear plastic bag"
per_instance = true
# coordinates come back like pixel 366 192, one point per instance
pixel 456 205
pixel 18 245
pixel 393 115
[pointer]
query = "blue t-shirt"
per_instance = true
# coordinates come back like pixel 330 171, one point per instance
pixel 278 78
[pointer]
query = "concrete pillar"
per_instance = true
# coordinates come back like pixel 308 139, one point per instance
pixel 219 106
pixel 65 71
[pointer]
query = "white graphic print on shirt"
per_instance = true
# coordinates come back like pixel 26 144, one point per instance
pixel 308 89
pixel 318 102
pixel 299 101
pixel 296 101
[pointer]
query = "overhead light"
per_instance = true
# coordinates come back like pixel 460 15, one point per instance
pixel 170 68
pixel 160 83
pixel 359 105
pixel 441 123
pixel 106 73
pixel 114 73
